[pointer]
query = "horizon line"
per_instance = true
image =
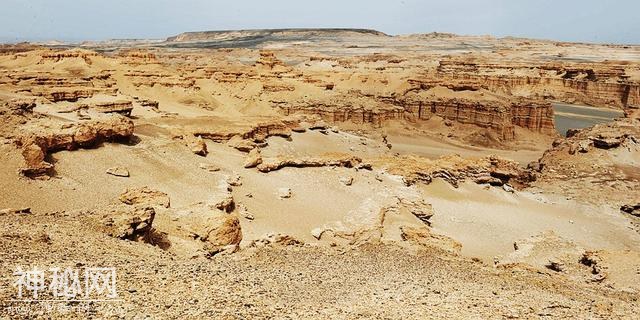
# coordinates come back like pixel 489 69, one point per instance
pixel 75 40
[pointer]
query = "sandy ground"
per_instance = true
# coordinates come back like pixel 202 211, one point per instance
pixel 487 221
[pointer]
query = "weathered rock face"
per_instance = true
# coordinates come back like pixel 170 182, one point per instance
pixel 499 115
pixel 56 87
pixel 246 139
pixel 602 84
pixel 69 137
pixel 455 169
pixel 123 107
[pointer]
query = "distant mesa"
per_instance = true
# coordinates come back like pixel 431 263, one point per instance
pixel 231 35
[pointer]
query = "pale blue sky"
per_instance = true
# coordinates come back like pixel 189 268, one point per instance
pixel 572 20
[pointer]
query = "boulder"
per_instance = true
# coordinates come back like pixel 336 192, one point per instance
pixel 145 196
pixel 633 210
pixel 132 223
pixel 34 159
pixel 216 229
pixel 196 145
pixel 253 159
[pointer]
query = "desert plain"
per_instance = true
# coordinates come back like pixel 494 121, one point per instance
pixel 325 173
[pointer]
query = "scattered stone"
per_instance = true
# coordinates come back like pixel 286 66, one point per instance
pixel 235 180
pixel 284 193
pixel 247 215
pixel 364 166
pixel 227 204
pixel 598 270
pixel 317 233
pixel 276 239
pixel 209 167
pixel 118 172
pixel 347 181
pixel 420 209
pixel 508 188
pixel 486 178
pixel 583 146
pixel 555 265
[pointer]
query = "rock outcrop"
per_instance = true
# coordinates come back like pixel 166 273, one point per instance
pixel 37 141
pixel 455 169
pixel 586 162
pixel 333 160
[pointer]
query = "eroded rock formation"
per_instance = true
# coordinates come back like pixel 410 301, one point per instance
pixel 37 142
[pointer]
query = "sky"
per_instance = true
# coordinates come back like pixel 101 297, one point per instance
pixel 603 21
